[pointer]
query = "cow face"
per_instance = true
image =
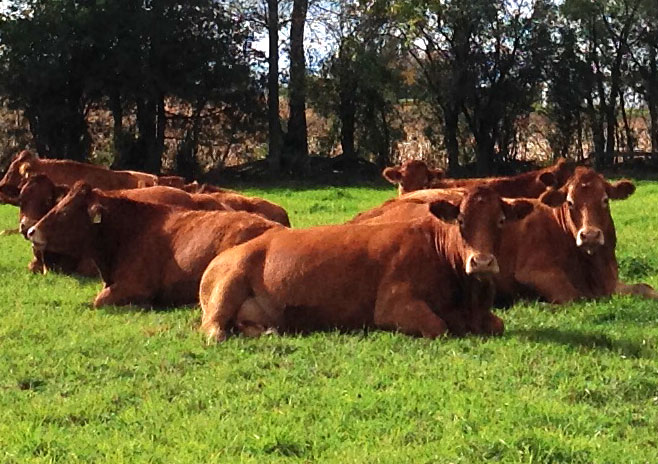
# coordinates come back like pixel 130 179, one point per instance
pixel 412 175
pixel 38 195
pixel 480 217
pixel 69 226
pixel 587 212
pixel 21 168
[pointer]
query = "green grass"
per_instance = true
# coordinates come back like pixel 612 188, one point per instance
pixel 573 384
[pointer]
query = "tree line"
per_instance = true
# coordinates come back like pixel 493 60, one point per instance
pixel 475 70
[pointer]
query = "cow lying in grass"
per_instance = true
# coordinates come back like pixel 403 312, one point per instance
pixel 416 175
pixel 145 253
pixel 66 172
pixel 421 277
pixel 240 202
pixel 38 195
pixel 558 255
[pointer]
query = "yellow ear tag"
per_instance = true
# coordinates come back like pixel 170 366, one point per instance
pixel 24 170
pixel 97 218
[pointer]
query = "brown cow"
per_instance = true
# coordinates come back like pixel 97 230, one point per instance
pixel 529 184
pixel 412 175
pixel 240 202
pixel 65 172
pixel 353 276
pixel 172 181
pixel 568 253
pixel 39 195
pixel 558 255
pixel 145 253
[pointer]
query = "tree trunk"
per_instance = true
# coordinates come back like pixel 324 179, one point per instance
pixel 297 136
pixel 651 93
pixel 598 135
pixel 451 127
pixel 146 126
pixel 347 107
pixel 628 132
pixel 274 123
pixel 117 127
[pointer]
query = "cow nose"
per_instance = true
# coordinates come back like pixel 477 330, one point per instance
pixel 590 236
pixel 23 228
pixel 31 233
pixel 481 263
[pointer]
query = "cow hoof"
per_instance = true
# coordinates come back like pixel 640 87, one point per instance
pixel 496 326
pixel 36 267
pixel 215 335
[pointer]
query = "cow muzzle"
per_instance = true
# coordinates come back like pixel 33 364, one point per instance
pixel 590 239
pixel 24 225
pixel 481 263
pixel 34 235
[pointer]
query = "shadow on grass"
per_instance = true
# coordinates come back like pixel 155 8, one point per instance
pixel 578 339
pixel 119 310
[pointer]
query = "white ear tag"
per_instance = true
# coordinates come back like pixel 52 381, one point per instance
pixel 97 218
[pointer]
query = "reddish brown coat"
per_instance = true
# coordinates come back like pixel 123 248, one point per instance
pixel 240 202
pixel 146 253
pixel 422 277
pixel 565 253
pixel 39 195
pixel 65 172
pixel 529 184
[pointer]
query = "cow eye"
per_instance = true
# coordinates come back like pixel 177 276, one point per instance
pixel 606 202
pixel 570 203
pixel 501 221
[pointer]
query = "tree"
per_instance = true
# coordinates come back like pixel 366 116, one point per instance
pixel 296 140
pixel 360 81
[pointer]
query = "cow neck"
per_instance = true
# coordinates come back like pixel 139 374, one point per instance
pixel 122 221
pixel 595 275
pixel 449 245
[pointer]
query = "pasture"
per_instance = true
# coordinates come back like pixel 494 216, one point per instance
pixel 575 384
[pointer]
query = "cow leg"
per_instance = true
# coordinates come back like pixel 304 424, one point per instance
pixel 487 323
pixel 257 317
pixel 120 295
pixel 37 265
pixel 408 315
pixel 551 286
pixel 227 298
pixel 642 289
pixel 10 232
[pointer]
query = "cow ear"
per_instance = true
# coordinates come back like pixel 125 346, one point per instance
pixel 95 211
pixel 553 198
pixel 547 178
pixel 26 155
pixel 60 192
pixel 393 175
pixel 444 210
pixel 515 210
pixel 435 174
pixel 620 190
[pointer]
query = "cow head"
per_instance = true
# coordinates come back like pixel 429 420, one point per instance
pixel 480 217
pixel 21 168
pixel 412 175
pixel 69 227
pixel 558 174
pixel 587 213
pixel 38 195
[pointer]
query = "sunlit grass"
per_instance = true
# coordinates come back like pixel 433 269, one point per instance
pixel 573 384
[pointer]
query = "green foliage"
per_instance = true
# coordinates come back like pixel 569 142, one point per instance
pixel 564 384
pixel 58 57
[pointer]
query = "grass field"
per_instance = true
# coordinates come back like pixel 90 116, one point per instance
pixel 573 384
